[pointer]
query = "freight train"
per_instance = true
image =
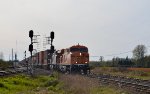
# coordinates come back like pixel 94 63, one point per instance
pixel 72 59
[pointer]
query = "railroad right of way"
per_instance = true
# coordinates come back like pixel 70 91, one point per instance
pixel 136 86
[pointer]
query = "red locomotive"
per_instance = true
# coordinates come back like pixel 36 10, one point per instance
pixel 75 58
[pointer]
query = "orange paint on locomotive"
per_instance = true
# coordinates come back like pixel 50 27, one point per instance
pixel 74 55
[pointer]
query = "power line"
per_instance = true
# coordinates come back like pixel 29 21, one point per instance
pixel 117 53
pixel 114 54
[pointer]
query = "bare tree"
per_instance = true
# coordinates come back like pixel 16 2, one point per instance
pixel 139 52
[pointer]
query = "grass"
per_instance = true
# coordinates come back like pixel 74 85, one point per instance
pixel 54 84
pixel 141 69
pixel 28 85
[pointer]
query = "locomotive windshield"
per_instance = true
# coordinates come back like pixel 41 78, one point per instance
pixel 79 49
pixel 83 50
pixel 74 49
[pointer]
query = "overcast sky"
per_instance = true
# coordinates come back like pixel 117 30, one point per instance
pixel 105 26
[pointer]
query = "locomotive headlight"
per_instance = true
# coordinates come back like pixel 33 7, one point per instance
pixel 86 62
pixel 80 54
pixel 76 62
pixel 70 53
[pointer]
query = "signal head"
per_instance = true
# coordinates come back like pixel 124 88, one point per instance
pixel 52 35
pixel 31 33
pixel 31 47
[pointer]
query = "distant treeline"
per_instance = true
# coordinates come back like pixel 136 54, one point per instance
pixel 123 62
pixel 5 64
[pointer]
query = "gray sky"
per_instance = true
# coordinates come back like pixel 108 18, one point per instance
pixel 104 26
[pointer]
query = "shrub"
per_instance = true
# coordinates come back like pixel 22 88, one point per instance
pixel 51 83
pixel 2 85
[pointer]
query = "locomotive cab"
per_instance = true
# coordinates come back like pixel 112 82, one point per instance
pixel 79 58
pixel 79 55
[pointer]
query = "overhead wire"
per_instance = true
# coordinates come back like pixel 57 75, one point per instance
pixel 116 53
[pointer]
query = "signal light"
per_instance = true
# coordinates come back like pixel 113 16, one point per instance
pixel 31 33
pixel 52 35
pixel 30 47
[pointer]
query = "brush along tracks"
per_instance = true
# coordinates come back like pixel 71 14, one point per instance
pixel 136 86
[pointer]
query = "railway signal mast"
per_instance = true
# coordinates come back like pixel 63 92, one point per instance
pixel 31 35
pixel 31 49
pixel 52 49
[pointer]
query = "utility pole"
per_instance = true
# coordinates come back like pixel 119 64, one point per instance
pixel 13 58
pixel 12 55
pixel 26 62
pixel 16 60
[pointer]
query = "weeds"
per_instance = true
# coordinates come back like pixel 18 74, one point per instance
pixel 2 85
pixel 54 84
pixel 77 84
pixel 129 73
pixel 23 83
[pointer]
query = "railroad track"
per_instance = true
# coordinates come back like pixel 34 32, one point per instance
pixel 11 72
pixel 135 86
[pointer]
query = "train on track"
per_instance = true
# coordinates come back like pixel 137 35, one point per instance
pixel 72 59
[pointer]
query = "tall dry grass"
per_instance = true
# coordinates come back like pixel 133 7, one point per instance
pixel 77 84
